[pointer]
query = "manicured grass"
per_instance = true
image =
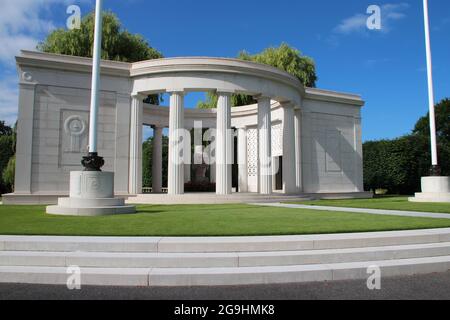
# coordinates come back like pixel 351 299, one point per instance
pixel 387 203
pixel 204 220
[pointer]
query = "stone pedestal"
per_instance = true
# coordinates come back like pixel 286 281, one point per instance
pixel 91 194
pixel 434 189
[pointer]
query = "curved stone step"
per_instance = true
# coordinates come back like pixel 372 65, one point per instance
pixel 212 198
pixel 223 276
pixel 222 244
pixel 223 260
pixel 294 274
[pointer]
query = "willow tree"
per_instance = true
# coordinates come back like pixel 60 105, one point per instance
pixel 117 43
pixel 285 58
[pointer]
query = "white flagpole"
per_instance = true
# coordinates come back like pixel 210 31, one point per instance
pixel 434 155
pixel 95 78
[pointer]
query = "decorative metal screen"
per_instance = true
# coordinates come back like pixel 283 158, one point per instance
pixel 277 140
pixel 252 152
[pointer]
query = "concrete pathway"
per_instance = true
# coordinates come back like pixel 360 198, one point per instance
pixel 359 210
pixel 418 287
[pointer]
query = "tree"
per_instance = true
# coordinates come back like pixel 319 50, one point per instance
pixel 147 160
pixel 5 130
pixel 442 110
pixel 287 59
pixel 395 165
pixel 9 172
pixel 422 129
pixel 283 57
pixel 399 164
pixel 6 147
pixel 117 43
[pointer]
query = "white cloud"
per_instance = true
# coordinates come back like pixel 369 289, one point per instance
pixel 352 24
pixel 8 99
pixel 22 25
pixel 357 23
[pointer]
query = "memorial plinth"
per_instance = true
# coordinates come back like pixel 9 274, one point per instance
pixel 91 194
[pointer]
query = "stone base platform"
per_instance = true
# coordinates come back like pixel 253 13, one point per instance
pixel 91 194
pixel 431 197
pixel 212 198
pixel 188 198
pixel 91 207
pixel 434 189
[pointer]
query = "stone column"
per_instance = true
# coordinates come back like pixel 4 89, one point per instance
pixel 242 160
pixel 122 143
pixel 265 145
pixel 298 149
pixel 289 162
pixel 176 144
pixel 157 160
pixel 135 186
pixel 223 145
pixel 210 152
pixel 24 150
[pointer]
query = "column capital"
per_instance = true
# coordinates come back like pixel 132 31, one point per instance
pixel 27 85
pixel 138 96
pixel 224 92
pixel 157 127
pixel 287 104
pixel 176 91
pixel 261 96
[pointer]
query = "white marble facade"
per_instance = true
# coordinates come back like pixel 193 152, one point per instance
pixel 316 132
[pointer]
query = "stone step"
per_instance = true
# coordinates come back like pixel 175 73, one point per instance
pixel 90 203
pixel 224 260
pixel 224 276
pixel 222 244
pixel 212 198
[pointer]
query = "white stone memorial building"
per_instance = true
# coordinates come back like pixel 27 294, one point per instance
pixel 294 140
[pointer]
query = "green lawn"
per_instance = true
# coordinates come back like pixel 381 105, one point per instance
pixel 204 220
pixel 388 203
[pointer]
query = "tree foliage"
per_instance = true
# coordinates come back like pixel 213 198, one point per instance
pixel 284 58
pixel 7 148
pixel 288 59
pixel 398 165
pixel 9 173
pixel 147 154
pixel 442 110
pixel 5 130
pixel 117 43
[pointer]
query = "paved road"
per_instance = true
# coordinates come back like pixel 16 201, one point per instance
pixel 432 286
pixel 358 210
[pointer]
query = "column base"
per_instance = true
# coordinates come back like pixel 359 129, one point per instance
pixel 91 194
pixel 434 189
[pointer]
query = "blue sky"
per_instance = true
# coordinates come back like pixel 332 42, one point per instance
pixel 386 67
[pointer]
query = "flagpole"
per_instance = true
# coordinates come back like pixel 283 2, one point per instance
pixel 93 162
pixel 435 170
